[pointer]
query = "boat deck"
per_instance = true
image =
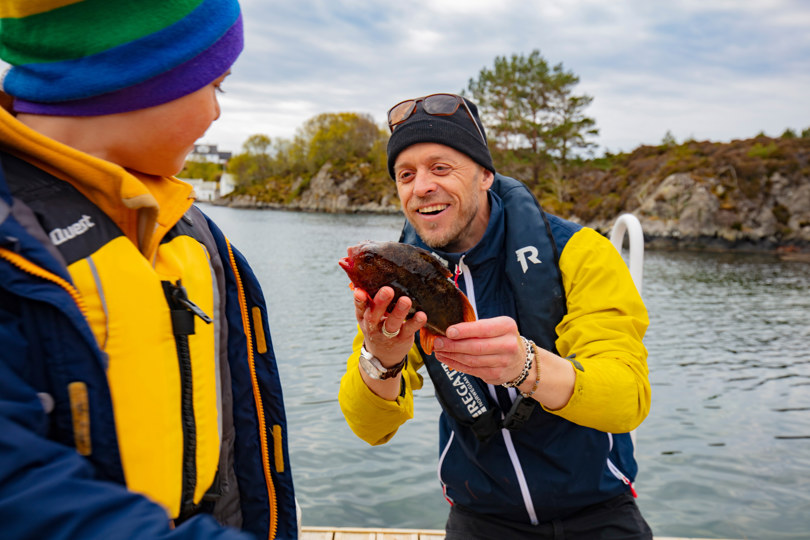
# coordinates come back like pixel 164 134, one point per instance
pixel 354 533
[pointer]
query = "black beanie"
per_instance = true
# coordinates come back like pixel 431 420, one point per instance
pixel 456 131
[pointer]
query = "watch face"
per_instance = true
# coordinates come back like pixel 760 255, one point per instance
pixel 368 367
pixel 372 366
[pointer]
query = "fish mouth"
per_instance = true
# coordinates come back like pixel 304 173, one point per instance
pixel 432 210
pixel 346 263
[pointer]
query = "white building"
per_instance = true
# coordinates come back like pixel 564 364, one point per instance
pixel 210 153
pixel 204 191
pixel 208 191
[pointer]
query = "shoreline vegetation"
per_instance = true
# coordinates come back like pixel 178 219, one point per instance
pixel 749 195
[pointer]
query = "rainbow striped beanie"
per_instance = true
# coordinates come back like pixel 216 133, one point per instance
pixel 94 57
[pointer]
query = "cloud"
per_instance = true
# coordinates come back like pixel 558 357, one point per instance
pixel 719 69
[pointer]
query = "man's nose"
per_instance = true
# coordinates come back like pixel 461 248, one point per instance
pixel 424 183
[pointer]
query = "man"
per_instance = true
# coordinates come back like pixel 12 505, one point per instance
pixel 139 394
pixel 540 393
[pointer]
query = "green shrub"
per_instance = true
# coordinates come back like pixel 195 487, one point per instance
pixel 763 151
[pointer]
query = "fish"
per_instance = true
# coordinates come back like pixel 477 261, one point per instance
pixel 411 272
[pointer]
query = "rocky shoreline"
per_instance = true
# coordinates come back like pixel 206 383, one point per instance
pixel 656 237
pixel 685 210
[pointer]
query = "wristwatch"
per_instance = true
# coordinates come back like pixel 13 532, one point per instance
pixel 371 365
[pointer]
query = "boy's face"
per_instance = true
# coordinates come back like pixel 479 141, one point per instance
pixel 157 140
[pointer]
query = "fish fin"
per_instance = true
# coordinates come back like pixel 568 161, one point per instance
pixel 468 313
pixel 351 285
pixel 426 339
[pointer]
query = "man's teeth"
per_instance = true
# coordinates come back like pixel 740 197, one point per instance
pixel 433 209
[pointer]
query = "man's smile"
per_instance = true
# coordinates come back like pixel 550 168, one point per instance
pixel 433 209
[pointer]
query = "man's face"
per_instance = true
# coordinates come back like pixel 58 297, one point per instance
pixel 444 195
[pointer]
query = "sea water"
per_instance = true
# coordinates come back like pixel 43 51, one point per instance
pixel 724 453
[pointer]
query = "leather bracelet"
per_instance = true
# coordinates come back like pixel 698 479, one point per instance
pixel 374 368
pixel 526 367
pixel 537 380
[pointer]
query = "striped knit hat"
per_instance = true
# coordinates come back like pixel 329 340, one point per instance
pixel 94 57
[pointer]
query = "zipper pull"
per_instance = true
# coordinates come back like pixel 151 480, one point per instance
pixel 180 296
pixel 458 273
pixel 629 484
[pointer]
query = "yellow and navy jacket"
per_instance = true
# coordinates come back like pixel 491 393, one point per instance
pixel 568 289
pixel 139 392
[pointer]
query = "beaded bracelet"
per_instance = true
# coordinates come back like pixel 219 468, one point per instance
pixel 526 367
pixel 537 380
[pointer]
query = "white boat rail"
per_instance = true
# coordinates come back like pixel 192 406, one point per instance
pixel 628 223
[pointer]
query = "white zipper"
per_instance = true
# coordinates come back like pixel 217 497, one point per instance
pixel 521 477
pixel 507 436
pixel 468 283
pixel 441 462
pixel 615 470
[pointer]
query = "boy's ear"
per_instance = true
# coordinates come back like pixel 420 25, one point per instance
pixel 5 100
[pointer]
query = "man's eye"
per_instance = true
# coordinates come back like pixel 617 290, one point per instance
pixel 404 177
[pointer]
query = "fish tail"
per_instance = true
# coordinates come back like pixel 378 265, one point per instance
pixel 426 339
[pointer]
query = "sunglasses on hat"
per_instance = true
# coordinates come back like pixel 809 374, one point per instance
pixel 434 105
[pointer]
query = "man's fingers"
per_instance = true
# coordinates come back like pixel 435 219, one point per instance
pixel 396 318
pixel 488 368
pixel 381 300
pixel 415 323
pixel 360 299
pixel 484 328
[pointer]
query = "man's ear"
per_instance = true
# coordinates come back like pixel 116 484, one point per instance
pixel 488 178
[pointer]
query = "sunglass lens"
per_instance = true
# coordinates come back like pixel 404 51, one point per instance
pixel 441 104
pixel 400 112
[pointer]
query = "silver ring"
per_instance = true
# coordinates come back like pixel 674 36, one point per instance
pixel 386 333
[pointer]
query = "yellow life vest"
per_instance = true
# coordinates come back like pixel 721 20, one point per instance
pixel 163 360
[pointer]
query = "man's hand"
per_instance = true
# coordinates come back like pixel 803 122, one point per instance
pixel 371 316
pixel 490 349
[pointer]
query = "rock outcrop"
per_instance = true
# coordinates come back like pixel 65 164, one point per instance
pixel 686 210
pixel 329 194
pixel 325 192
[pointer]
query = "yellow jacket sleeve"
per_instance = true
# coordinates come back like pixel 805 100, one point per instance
pixel 370 417
pixel 602 336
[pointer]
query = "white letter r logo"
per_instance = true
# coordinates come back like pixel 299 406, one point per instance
pixel 527 253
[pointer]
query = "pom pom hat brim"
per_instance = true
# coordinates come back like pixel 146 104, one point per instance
pixel 105 56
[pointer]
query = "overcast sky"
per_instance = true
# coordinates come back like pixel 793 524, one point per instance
pixel 705 69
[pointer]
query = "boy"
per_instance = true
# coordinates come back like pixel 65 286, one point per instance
pixel 139 394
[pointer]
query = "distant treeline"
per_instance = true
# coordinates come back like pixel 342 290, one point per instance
pixel 537 131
